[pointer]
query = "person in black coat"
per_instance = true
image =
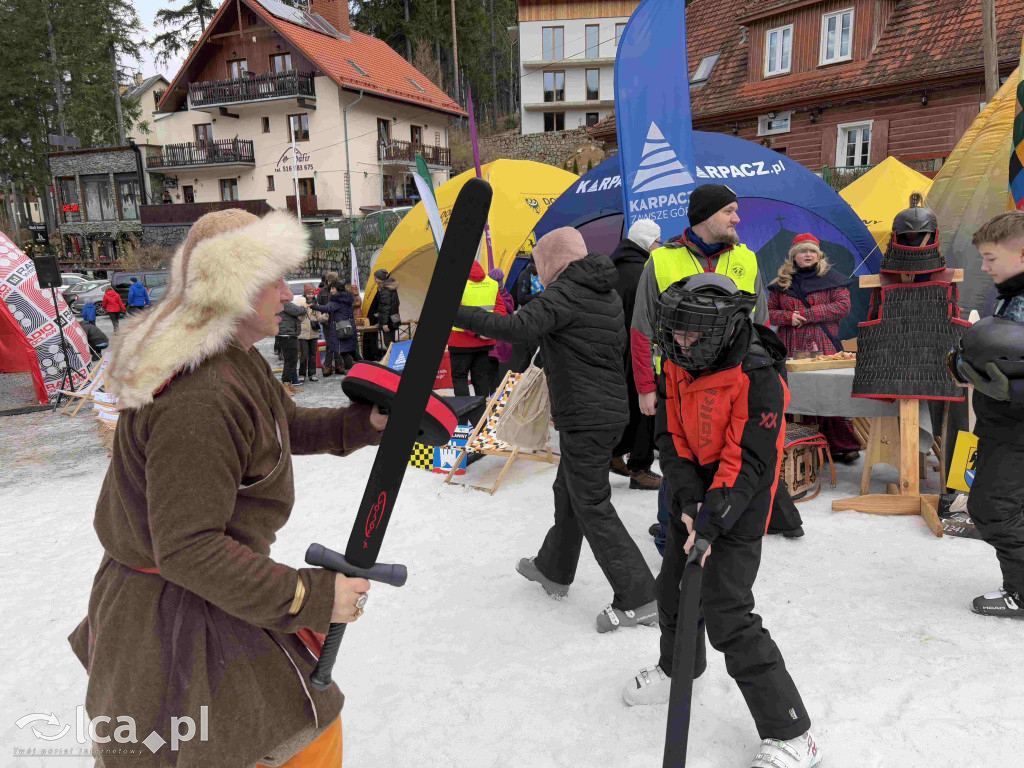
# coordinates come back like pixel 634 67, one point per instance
pixel 629 258
pixel 340 329
pixel 388 311
pixel 579 323
pixel 288 336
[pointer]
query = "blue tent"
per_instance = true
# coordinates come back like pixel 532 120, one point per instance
pixel 779 199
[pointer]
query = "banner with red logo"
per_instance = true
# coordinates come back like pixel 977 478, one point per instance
pixel 32 309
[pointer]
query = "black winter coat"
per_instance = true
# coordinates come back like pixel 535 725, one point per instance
pixel 579 323
pixel 629 259
pixel 291 320
pixel 387 306
pixel 339 307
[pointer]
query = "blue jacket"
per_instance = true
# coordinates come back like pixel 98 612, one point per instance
pixel 339 307
pixel 137 295
pixel 89 312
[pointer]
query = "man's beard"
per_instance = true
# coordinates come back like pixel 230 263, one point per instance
pixel 728 236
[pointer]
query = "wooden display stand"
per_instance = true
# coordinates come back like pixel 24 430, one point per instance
pixel 896 441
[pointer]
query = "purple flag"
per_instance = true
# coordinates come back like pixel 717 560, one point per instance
pixel 476 163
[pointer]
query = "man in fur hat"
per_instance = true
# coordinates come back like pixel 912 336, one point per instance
pixel 189 616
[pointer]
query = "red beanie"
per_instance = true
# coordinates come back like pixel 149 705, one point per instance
pixel 806 237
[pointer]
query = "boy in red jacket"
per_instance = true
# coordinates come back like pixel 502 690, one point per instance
pixel 720 432
pixel 113 306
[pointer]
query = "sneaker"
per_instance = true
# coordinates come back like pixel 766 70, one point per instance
pixel 800 752
pixel 618 467
pixel 1002 603
pixel 298 383
pixel 530 570
pixel 650 686
pixel 312 378
pixel 645 480
pixel 655 530
pixel 611 619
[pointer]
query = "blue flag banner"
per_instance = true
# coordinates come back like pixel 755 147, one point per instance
pixel 652 116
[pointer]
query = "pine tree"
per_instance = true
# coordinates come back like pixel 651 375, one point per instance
pixel 184 26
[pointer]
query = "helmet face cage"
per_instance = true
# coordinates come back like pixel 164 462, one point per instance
pixel 708 319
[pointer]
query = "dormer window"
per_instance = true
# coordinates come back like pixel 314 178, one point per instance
pixel 778 50
pixel 836 37
pixel 704 69
pixel 416 85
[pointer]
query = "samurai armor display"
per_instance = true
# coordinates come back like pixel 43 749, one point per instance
pixel 910 260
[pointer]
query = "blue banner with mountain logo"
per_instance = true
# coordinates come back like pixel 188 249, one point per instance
pixel 652 116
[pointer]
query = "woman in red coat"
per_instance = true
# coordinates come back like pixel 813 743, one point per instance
pixel 113 305
pixel 807 301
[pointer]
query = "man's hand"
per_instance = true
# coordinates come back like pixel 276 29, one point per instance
pixel 648 403
pixel 378 420
pixel 798 319
pixel 346 592
pixel 689 545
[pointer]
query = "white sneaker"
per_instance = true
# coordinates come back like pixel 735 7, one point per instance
pixel 801 752
pixel 650 686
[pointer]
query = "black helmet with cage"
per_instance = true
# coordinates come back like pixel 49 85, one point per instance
pixel 698 317
pixel 997 340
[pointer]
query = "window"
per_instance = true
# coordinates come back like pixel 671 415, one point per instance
pixel 228 189
pixel 836 36
pixel 237 68
pixel 99 206
pixel 778 47
pixel 203 133
pixel 554 121
pixel 418 87
pixel 593 84
pixel 306 186
pixel 552 38
pixel 266 125
pixel 270 183
pixel 554 86
pixel 188 193
pixel 619 28
pixel 70 202
pixel 853 146
pixel 280 62
pixel 128 195
pixel 592 119
pixel 356 67
pixel 707 64
pixel 157 95
pixel 593 32
pixel 774 122
pixel 416 134
pixel 298 129
pixel 383 131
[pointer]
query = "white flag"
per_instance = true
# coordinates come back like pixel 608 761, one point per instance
pixel 355 266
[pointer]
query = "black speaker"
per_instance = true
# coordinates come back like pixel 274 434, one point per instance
pixel 48 272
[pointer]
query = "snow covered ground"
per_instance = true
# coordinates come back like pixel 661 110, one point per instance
pixel 471 665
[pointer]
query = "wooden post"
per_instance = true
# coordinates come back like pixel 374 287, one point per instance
pixel 990 46
pixel 910 445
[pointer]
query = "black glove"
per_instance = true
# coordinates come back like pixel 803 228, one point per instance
pixel 710 522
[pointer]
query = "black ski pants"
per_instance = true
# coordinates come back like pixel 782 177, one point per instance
pixel 290 353
pixel 727 616
pixel 471 361
pixel 583 509
pixel 996 505
pixel 638 438
pixel 307 357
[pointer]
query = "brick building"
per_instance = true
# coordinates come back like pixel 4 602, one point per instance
pixel 839 86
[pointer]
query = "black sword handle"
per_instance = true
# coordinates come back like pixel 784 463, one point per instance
pixel 700 546
pixel 321 557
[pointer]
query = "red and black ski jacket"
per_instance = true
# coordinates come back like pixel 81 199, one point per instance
pixel 721 433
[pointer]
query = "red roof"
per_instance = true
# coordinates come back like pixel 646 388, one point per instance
pixel 924 42
pixel 387 73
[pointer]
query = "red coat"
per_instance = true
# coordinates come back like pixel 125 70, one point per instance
pixel 112 301
pixel 827 309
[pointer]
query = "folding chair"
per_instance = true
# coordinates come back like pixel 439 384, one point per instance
pixel 94 382
pixel 484 439
pixel 105 406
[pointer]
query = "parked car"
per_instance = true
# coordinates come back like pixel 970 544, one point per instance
pixel 89 292
pixel 121 281
pixel 157 294
pixel 295 284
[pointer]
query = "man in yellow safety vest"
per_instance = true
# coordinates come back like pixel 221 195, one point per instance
pixel 469 353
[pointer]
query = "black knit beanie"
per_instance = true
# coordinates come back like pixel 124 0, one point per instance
pixel 707 200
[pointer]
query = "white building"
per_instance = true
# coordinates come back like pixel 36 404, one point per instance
pixel 567 61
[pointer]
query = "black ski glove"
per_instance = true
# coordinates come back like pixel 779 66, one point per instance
pixel 994 385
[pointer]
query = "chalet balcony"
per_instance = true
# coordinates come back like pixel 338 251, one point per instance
pixel 177 214
pixel 308 203
pixel 250 88
pixel 404 152
pixel 225 152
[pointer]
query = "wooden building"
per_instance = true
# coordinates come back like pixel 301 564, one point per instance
pixel 839 85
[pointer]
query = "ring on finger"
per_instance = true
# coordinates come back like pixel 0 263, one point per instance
pixel 361 600
pixel 359 613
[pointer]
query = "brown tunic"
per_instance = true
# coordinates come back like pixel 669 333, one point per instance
pixel 199 483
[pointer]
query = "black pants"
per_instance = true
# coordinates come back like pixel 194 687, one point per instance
pixel 475 362
pixel 307 357
pixel 133 310
pixel 583 509
pixel 522 354
pixel 638 439
pixel 346 360
pixel 388 338
pixel 727 604
pixel 290 352
pixel 996 504
pixel 785 516
pixel 115 318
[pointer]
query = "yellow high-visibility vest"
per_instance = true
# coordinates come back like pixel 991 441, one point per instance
pixel 482 294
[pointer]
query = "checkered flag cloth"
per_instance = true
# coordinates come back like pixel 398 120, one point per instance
pixel 422 457
pixel 487 439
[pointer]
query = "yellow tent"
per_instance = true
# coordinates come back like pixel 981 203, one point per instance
pixel 523 191
pixel 881 193
pixel 971 188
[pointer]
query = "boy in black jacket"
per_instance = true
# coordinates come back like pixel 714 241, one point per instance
pixel 721 428
pixel 579 323
pixel 989 356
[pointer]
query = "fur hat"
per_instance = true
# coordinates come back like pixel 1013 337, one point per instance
pixel 557 250
pixel 227 258
pixel 644 233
